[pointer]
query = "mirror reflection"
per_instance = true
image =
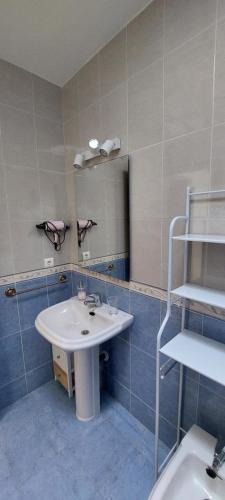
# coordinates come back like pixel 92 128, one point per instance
pixel 102 210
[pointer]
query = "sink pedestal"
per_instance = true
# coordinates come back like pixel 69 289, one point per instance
pixel 87 387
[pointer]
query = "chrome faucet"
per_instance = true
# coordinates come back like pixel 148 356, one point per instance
pixel 93 300
pixel 219 456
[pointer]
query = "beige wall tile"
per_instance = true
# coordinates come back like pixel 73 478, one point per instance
pixel 186 163
pixel 188 86
pixel 186 19
pixel 88 84
pixel 24 203
pixel 145 107
pixel 3 202
pixel 146 251
pixel 218 158
pixel 95 241
pixel 178 253
pixel 221 9
pixel 47 99
pixel 70 99
pixel 113 117
pixel 27 246
pixel 112 64
pixel 217 205
pixel 18 138
pixel 71 141
pixel 50 145
pixel 116 196
pixel 145 38
pixel 53 195
pixel 219 95
pixel 64 256
pixel 214 272
pixel 117 236
pixel 146 183
pixel 15 86
pixel 6 256
pixel 89 123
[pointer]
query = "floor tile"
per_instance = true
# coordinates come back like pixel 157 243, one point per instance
pixel 46 453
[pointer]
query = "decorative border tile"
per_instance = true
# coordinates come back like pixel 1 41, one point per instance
pixel 100 260
pixel 39 273
pixel 132 286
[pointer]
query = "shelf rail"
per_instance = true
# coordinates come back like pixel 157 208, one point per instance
pixel 12 292
pixel 162 371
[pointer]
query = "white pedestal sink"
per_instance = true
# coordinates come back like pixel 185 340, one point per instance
pixel 70 326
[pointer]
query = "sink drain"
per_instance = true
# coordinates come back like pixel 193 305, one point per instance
pixel 84 332
pixel 211 473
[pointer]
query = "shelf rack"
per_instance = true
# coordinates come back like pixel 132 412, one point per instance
pixel 187 348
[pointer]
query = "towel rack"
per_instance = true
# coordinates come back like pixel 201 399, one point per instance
pixel 11 291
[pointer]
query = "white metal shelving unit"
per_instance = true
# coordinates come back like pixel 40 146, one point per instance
pixel 187 348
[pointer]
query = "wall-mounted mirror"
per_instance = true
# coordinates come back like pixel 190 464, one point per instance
pixel 102 209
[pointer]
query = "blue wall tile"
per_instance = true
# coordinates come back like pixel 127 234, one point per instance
pixel 9 317
pixel 120 269
pixel 167 432
pixel 194 321
pixel 125 335
pixel 121 293
pixel 61 291
pixel 39 376
pixel 211 413
pixel 130 372
pixel 118 391
pixel 119 360
pixel 94 285
pixel 214 329
pixel 11 359
pixel 37 350
pixel 146 311
pixel 174 324
pixel 31 303
pixel 143 413
pixel 143 376
pixel 12 392
pixel 76 279
pixel 190 402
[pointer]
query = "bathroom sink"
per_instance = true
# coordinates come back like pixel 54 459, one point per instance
pixel 186 477
pixel 72 326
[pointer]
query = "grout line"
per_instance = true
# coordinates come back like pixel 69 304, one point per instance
pixel 207 28
pixel 12 381
pixel 40 366
pixel 29 112
pixel 24 375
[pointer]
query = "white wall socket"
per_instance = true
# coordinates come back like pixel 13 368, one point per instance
pixel 86 255
pixel 49 262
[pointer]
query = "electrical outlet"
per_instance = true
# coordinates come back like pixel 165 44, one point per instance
pixel 49 262
pixel 86 255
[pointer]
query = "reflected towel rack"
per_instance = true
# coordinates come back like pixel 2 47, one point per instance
pixel 11 291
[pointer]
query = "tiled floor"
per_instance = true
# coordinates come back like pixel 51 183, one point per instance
pixel 46 454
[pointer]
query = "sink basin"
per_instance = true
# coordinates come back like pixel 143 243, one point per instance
pixel 185 476
pixel 74 327
pixel 63 324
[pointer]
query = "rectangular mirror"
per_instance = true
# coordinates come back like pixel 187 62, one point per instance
pixel 102 210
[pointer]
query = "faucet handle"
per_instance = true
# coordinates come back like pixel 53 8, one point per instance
pixel 97 297
pixel 219 447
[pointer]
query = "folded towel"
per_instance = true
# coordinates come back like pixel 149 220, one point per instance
pixel 84 223
pixel 56 225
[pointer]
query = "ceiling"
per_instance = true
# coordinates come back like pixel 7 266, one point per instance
pixel 54 38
